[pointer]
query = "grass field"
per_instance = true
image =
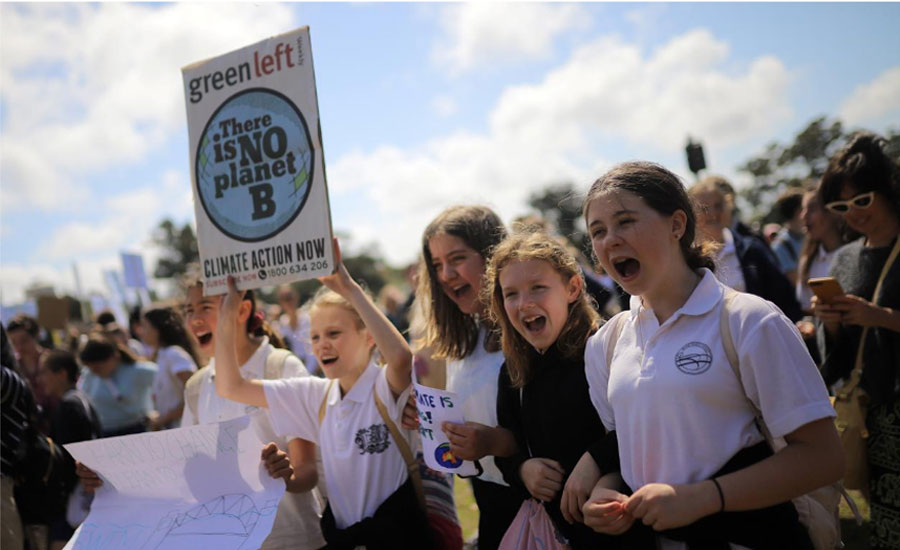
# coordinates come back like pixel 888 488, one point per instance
pixel 854 536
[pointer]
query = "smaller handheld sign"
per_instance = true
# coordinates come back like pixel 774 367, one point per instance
pixel 436 407
pixel 257 166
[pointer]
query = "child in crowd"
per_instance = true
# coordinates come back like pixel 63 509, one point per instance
pixel 353 414
pixel 173 352
pixel 118 384
pixel 682 404
pixel 537 296
pixel 455 248
pixel 296 521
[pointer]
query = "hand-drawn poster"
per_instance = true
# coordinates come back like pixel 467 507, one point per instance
pixel 185 488
pixel 257 168
pixel 435 407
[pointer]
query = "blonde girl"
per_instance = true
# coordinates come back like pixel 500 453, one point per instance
pixel 688 444
pixel 536 294
pixel 372 501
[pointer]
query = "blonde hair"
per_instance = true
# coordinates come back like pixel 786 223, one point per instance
pixel 327 297
pixel 582 320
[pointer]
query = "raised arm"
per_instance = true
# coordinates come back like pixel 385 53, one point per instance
pixel 390 342
pixel 229 382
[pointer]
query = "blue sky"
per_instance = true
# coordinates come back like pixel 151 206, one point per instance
pixel 422 106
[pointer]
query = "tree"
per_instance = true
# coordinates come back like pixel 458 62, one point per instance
pixel 179 246
pixel 780 167
pixel 560 204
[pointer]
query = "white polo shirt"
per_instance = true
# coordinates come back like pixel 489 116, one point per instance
pixel 673 398
pixel 296 523
pixel 363 466
pixel 168 390
pixel 474 380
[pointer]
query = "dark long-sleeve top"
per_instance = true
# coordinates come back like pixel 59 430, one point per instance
pixel 556 420
pixel 763 276
pixel 857 269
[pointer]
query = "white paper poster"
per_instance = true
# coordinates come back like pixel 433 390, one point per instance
pixel 185 488
pixel 257 168
pixel 435 407
pixel 133 268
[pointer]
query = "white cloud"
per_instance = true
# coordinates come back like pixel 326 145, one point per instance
pixel 553 131
pixel 444 106
pixel 876 101
pixel 482 33
pixel 90 86
pixel 131 217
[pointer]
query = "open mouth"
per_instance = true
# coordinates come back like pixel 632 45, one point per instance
pixel 327 360
pixel 627 268
pixel 535 324
pixel 459 291
pixel 204 338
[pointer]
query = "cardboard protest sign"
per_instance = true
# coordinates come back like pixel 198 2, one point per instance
pixel 435 407
pixel 257 166
pixel 53 312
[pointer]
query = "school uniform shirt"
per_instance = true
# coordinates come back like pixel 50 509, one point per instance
pixel 820 266
pixel 363 466
pixel 728 265
pixel 474 380
pixel 168 390
pixel 124 398
pixel 673 398
pixel 296 523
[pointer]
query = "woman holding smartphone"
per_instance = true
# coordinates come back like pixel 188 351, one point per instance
pixel 862 184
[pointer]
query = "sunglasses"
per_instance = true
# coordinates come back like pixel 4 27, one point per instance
pixel 864 200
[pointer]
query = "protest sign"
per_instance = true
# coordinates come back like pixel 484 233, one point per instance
pixel 53 312
pixel 185 488
pixel 133 268
pixel 435 407
pixel 257 167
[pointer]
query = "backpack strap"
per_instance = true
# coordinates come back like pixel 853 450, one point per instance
pixel 403 446
pixel 275 363
pixel 325 402
pixel 192 392
pixel 617 322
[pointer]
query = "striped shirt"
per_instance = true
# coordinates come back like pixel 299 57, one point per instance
pixel 17 403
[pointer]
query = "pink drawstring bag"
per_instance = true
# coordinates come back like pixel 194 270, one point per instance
pixel 532 529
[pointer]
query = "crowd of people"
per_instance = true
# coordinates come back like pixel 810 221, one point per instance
pixel 635 395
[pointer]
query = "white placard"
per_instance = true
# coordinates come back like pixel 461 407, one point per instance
pixel 185 488
pixel 435 407
pixel 257 167
pixel 133 269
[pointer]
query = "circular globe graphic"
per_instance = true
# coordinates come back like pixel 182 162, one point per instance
pixel 254 165
pixel 445 458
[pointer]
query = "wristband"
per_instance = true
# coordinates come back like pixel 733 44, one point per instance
pixel 721 494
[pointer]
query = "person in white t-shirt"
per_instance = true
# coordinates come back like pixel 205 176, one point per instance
pixel 372 500
pixel 296 525
pixel 689 448
pixel 164 332
pixel 455 249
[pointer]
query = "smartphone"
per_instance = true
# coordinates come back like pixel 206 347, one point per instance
pixel 826 288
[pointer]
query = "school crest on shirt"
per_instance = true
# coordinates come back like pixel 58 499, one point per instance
pixel 693 358
pixel 373 440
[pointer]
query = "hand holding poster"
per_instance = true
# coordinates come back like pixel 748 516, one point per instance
pixel 436 407
pixel 257 167
pixel 180 489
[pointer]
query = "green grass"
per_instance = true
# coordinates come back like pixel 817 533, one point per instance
pixel 854 536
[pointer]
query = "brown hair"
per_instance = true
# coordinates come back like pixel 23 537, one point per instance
pixel 449 331
pixel 100 348
pixel 256 324
pixel 865 164
pixel 582 320
pixel 662 191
